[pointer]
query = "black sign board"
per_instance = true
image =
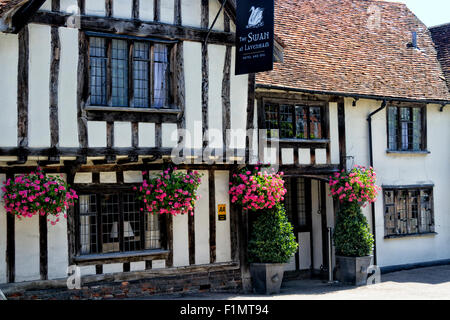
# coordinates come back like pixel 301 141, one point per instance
pixel 254 36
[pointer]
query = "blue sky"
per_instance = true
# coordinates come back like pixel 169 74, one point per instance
pixel 431 12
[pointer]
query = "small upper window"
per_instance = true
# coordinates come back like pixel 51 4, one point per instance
pixel 128 73
pixel 293 121
pixel 406 129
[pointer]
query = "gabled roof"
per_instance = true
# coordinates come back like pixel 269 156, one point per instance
pixel 355 47
pixel 441 38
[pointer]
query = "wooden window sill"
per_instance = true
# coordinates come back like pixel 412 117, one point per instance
pixel 301 143
pixel 420 152
pixel 132 109
pixel 118 257
pixel 415 235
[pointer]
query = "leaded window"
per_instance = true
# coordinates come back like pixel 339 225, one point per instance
pixel 408 211
pixel 406 129
pixel 293 121
pixel 129 73
pixel 113 222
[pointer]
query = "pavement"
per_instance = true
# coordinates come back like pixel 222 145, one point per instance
pixel 432 283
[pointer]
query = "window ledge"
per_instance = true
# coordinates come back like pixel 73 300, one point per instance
pixel 122 256
pixel 421 152
pixel 293 140
pixel 415 235
pixel 129 109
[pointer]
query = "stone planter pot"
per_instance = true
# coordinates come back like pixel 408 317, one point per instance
pixel 267 277
pixel 352 270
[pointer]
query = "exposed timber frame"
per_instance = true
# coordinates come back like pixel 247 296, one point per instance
pixel 205 74
pixel 212 216
pixel 54 76
pixel 22 91
pixel 23 15
pixel 136 28
pixel 10 243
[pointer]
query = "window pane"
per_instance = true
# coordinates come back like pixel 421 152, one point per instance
pixel 392 127
pixel 417 129
pixel 131 223
pixel 88 224
pixel 316 122
pixel 406 128
pixel 160 76
pixel 119 68
pixel 301 122
pixel 271 113
pixel 413 212
pixel 286 122
pixel 152 232
pixel 401 212
pixel 426 214
pixel 110 223
pixel 301 202
pixel 98 59
pixel 141 65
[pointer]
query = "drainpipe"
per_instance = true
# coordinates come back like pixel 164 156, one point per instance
pixel 369 120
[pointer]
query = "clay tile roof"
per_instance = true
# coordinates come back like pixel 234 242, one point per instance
pixel 6 5
pixel 441 38
pixel 355 47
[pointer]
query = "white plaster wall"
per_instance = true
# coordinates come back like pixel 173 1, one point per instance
pixel 122 9
pixel 83 177
pixel 146 10
pixel 112 268
pixel 96 134
pixel 146 135
pixel 223 236
pixel 137 266
pixel 304 156
pixel 95 8
pixel 122 134
pixel 192 52
pixel 321 156
pixel 87 270
pixel 132 176
pixel 9 53
pixel 47 6
pixel 108 177
pixel 57 246
pixel 287 156
pixel 334 133
pixel 405 170
pixel 39 79
pixel 69 6
pixel 27 249
pixel 316 226
pixel 180 241
pixel 201 220
pixel 67 90
pixel 3 268
pixel 191 13
pixel 214 7
pixel 169 135
pixel 216 54
pixel 304 247
pixel 239 92
pixel 167 11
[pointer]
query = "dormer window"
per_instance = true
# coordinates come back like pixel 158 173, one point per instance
pixel 129 73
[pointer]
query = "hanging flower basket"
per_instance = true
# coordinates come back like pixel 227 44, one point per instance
pixel 172 192
pixel 357 186
pixel 257 190
pixel 33 194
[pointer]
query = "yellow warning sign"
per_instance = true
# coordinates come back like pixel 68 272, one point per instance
pixel 222 212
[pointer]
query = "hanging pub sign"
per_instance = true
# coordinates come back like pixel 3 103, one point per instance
pixel 254 36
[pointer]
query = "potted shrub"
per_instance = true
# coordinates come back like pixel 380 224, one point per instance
pixel 271 246
pixel 352 237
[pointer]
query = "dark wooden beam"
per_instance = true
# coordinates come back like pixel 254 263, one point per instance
pixel 170 116
pixel 54 76
pixel 212 215
pixel 10 243
pixel 156 10
pixel 191 235
pixel 43 247
pixel 251 116
pixel 135 9
pixel 109 8
pixel 23 15
pixel 22 89
pixel 82 6
pixel 177 18
pixel 56 5
pixel 82 89
pixel 169 240
pixel 226 97
pixel 341 132
pixel 136 28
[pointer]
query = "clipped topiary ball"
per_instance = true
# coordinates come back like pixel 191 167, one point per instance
pixel 272 239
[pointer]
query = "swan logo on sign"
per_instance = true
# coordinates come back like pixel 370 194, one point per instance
pixel 256 18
